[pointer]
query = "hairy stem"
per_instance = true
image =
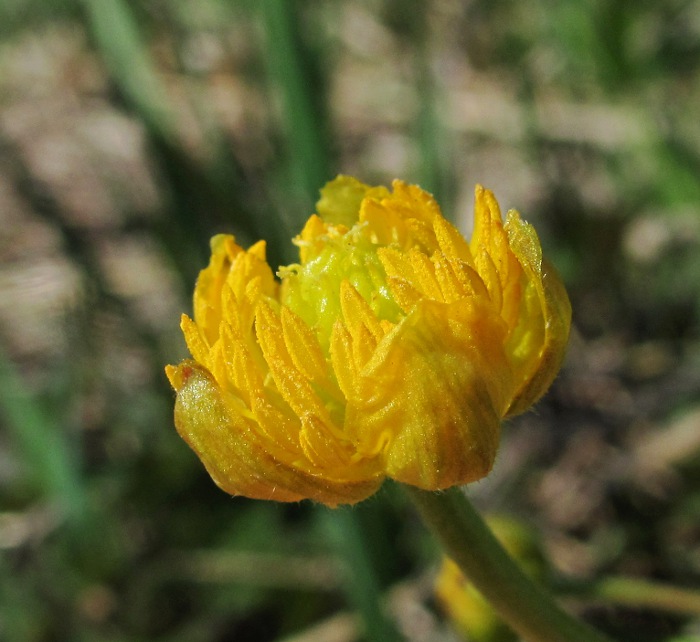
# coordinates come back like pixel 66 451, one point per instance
pixel 524 605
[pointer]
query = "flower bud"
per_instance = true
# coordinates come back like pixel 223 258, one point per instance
pixel 394 348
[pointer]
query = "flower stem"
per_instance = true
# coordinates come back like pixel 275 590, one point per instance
pixel 637 593
pixel 523 605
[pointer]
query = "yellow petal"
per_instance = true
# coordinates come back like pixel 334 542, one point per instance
pixel 207 293
pixel 340 200
pixel 539 342
pixel 237 458
pixel 384 225
pixel 303 347
pixel 324 446
pixel 450 286
pixel 293 386
pixel 546 357
pixel 343 360
pixel 452 244
pixel 364 327
pixel 195 342
pixel 436 385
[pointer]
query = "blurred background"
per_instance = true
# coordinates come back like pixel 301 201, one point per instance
pixel 130 132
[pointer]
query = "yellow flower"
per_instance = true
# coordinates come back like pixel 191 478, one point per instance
pixel 394 348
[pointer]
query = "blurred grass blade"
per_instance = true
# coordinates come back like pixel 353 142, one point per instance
pixel 47 455
pixel 197 191
pixel 292 74
pixel 117 36
pixel 433 174
pixel 432 144
pixel 360 581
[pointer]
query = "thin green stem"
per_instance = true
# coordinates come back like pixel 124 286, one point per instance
pixel 523 605
pixel 638 593
pixel 361 583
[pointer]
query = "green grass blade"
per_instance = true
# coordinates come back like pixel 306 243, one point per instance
pixel 291 73
pixel 361 584
pixel 47 454
pixel 117 36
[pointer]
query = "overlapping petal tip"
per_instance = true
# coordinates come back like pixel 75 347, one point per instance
pixel 394 348
pixel 239 457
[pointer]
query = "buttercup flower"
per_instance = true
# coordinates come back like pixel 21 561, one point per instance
pixel 394 348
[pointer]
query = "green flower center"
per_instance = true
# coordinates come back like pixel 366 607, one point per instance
pixel 312 290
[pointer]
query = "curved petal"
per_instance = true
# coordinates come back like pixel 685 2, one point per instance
pixel 207 291
pixel 341 198
pixel 540 342
pixel 549 354
pixel 224 436
pixel 431 399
